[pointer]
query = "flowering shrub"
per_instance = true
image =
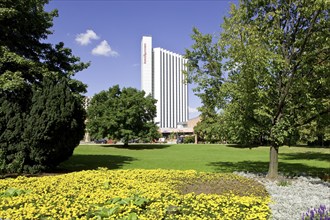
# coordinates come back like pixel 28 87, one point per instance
pixel 317 214
pixel 128 194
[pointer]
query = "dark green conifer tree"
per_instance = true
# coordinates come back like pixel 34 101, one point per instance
pixel 12 122
pixel 54 126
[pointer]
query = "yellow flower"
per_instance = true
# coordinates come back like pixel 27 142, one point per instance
pixel 148 194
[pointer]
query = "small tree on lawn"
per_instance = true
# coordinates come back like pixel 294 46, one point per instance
pixel 122 114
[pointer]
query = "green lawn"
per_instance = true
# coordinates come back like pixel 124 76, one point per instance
pixel 208 157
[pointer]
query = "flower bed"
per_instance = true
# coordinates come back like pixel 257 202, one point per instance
pixel 133 194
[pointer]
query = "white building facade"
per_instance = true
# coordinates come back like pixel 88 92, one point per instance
pixel 162 76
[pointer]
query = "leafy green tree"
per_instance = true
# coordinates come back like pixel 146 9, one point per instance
pixel 122 114
pixel 150 134
pixel 26 60
pixel 316 133
pixel 205 69
pixel 210 128
pixel 25 57
pixel 275 55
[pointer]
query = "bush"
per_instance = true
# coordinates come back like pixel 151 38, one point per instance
pixel 189 139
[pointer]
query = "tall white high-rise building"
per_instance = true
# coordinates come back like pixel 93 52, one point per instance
pixel 162 76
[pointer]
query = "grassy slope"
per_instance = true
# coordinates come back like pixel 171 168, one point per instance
pixel 211 158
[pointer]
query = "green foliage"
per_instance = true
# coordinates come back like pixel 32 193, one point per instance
pixel 210 129
pixel 189 139
pixel 55 124
pixel 150 134
pixel 172 135
pixel 123 115
pixel 12 192
pixel 120 205
pixel 276 58
pixel 12 122
pixel 316 133
pixel 282 77
pixel 25 57
pixel 40 134
pixel 205 69
pixel 30 24
pixel 41 116
pixel 284 183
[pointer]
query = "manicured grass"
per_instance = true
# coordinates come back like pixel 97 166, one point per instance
pixel 208 158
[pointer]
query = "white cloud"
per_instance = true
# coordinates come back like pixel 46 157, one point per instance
pixel 104 49
pixel 192 110
pixel 85 38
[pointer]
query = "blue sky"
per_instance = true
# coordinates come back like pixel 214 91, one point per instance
pixel 108 33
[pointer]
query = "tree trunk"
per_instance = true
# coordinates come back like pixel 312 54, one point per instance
pixel 273 162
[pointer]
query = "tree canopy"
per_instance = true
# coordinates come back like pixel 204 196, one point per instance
pixel 41 118
pixel 125 115
pixel 267 72
pixel 25 55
